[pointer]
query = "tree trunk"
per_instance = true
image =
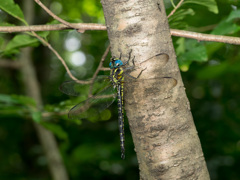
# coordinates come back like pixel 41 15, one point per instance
pixel 47 139
pixel 156 105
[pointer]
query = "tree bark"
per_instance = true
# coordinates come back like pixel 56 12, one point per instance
pixel 47 139
pixel 158 111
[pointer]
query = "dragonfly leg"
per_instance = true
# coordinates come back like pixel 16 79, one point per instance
pixel 129 58
pixel 128 74
pixel 133 61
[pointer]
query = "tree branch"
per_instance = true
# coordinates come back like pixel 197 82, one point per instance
pixel 175 8
pixel 32 88
pixel 101 62
pixel 60 58
pixel 206 37
pixel 53 15
pixel 98 69
pixel 52 27
pixel 9 64
pixel 90 26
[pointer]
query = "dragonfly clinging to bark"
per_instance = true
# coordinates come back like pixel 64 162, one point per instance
pixel 104 97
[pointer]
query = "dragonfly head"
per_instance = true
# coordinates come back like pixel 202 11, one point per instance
pixel 115 63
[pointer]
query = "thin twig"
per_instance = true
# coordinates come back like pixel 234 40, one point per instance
pixel 53 15
pixel 52 27
pixel 172 3
pixel 206 37
pixel 86 104
pixel 101 62
pixel 59 57
pixel 70 25
pixel 98 69
pixel 104 69
pixel 174 32
pixel 51 114
pixel 175 8
pixel 10 64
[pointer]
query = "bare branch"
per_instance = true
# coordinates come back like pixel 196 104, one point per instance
pixel 98 69
pixel 53 27
pixel 51 114
pixel 101 62
pixel 70 25
pixel 175 8
pixel 9 64
pixel 206 37
pixel 85 26
pixel 53 15
pixel 59 57
pixel 104 69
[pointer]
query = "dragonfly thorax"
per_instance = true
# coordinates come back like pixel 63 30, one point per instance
pixel 117 76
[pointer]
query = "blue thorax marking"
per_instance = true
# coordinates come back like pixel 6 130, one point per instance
pixel 115 63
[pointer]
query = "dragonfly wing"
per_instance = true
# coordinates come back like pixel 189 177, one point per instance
pixel 73 88
pixel 93 106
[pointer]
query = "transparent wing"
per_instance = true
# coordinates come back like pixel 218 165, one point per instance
pixel 93 106
pixel 73 88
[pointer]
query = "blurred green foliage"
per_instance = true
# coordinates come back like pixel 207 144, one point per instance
pixel 91 150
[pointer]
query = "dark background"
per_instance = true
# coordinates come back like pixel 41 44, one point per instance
pixel 91 150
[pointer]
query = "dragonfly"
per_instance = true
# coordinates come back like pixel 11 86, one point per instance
pixel 103 97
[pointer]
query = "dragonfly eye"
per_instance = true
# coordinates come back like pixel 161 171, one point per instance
pixel 118 63
pixel 111 65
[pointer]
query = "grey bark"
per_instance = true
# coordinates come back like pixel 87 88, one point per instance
pixel 158 111
pixel 32 88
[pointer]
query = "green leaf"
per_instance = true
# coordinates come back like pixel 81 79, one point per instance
pixel 176 20
pixel 194 51
pixel 17 99
pixel 25 100
pixel 210 4
pixel 181 45
pixel 7 99
pixel 43 34
pixel 56 129
pixel 36 116
pixel 20 41
pixel 181 14
pixel 6 24
pixel 233 15
pixel 173 3
pixel 13 9
pixel 227 26
pixel 18 105
pixel 12 110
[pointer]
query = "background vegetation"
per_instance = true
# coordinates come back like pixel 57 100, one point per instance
pixel 91 150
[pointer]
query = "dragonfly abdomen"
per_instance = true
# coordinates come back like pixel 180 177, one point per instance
pixel 121 118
